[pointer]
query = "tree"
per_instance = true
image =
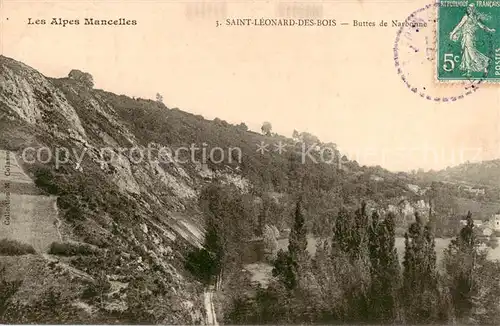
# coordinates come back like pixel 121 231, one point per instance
pixel 342 233
pixel 390 270
pixel 282 269
pixel 203 264
pixel 486 300
pixel 297 245
pixel 266 128
pixel 350 233
pixel 474 296
pixel 459 265
pixel 328 272
pixel 290 267
pixel 384 270
pixel 420 291
pixel 159 98
pixel 82 77
pixel 350 256
pixel 227 228
pixel 309 139
pixel 242 126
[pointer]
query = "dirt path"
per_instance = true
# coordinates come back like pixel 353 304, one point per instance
pixel 209 308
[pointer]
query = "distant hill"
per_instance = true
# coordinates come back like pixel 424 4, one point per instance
pixel 474 186
pixel 486 174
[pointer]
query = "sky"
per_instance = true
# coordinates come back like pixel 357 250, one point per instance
pixel 339 83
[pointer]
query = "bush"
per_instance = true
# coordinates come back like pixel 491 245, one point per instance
pixel 7 290
pixel 45 180
pixel 71 249
pixel 97 288
pixel 15 248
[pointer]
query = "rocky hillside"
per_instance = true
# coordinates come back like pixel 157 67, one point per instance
pixel 124 227
pixel 113 202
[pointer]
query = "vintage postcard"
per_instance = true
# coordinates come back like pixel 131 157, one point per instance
pixel 249 162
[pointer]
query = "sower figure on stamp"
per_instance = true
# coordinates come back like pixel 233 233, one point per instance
pixel 472 59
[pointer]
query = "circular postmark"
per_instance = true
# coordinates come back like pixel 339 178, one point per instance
pixel 416 58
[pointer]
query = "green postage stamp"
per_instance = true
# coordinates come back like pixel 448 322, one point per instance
pixel 468 40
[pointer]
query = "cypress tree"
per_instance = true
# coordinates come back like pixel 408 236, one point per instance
pixel 298 236
pixel 459 261
pixel 350 251
pixel 390 269
pixel 351 236
pixel 342 233
pixel 359 245
pixel 385 270
pixel 374 250
pixel 420 292
pixel 374 244
pixel 291 265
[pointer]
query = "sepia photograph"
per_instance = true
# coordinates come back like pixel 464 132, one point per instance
pixel 228 162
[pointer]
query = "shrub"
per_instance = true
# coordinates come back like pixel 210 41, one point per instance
pixel 74 214
pixel 97 288
pixel 44 179
pixel 7 290
pixel 71 249
pixel 15 248
pixel 67 201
